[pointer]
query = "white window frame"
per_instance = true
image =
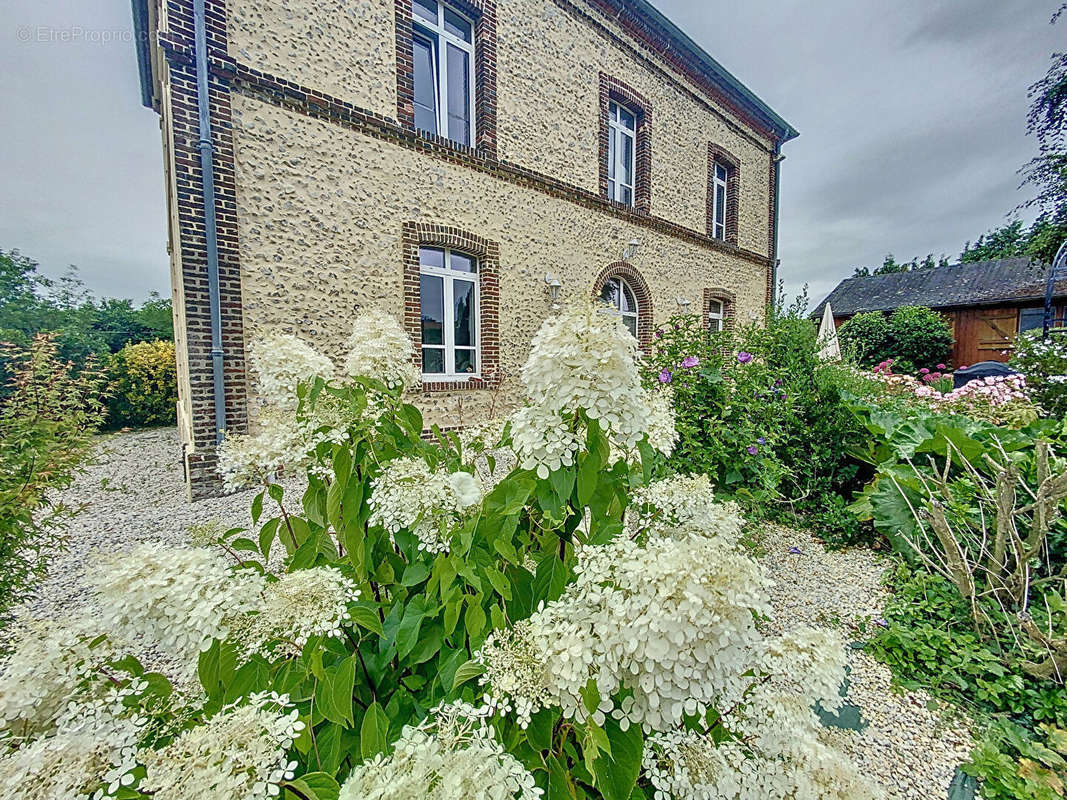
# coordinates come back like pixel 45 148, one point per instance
pixel 635 315
pixel 618 131
pixel 716 319
pixel 436 33
pixel 449 277
pixel 718 229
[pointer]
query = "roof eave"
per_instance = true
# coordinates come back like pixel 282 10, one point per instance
pixel 720 75
pixel 144 54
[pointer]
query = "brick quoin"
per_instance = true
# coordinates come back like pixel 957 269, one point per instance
pixel 178 47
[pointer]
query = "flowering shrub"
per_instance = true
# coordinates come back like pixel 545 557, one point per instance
pixel 144 385
pixel 570 628
pixel 1001 399
pixel 757 410
pixel 1044 364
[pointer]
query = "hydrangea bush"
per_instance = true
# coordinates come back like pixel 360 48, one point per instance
pixel 1044 364
pixel 423 623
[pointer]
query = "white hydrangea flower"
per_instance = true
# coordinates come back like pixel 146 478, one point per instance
pixel 299 605
pixel 583 359
pixel 408 494
pixel 92 758
pixel 282 362
pixel 46 665
pixel 688 765
pixel 682 502
pixel 809 663
pixel 282 442
pixel 180 598
pixel 451 756
pixel 241 753
pixel 659 407
pixel 671 620
pixel 379 348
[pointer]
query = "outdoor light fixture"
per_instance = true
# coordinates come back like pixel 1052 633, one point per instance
pixel 631 249
pixel 683 304
pixel 554 286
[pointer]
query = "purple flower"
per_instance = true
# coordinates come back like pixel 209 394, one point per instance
pixel 665 376
pixel 795 551
pixel 690 361
pixel 761 440
pixel 743 357
pixel 881 623
pixel 659 333
pixel 752 449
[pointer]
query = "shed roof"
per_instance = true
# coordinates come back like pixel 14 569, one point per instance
pixel 1005 280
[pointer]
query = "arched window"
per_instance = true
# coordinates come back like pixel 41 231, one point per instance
pixel 618 294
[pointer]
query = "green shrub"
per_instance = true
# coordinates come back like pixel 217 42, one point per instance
pixel 1043 363
pixel 1012 764
pixel 930 643
pixel 865 338
pixel 47 417
pixel 919 336
pixel 764 418
pixel 144 385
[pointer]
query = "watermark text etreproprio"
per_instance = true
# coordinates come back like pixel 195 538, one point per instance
pixel 71 34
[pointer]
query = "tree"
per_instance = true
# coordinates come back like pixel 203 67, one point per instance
pixel 890 266
pixel 1007 241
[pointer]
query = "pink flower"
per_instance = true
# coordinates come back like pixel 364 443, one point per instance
pixel 941 366
pixel 924 371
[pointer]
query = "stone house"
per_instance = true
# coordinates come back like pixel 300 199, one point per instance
pixel 457 162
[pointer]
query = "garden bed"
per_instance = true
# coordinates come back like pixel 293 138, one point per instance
pixel 133 492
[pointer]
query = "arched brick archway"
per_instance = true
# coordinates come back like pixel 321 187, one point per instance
pixel 630 274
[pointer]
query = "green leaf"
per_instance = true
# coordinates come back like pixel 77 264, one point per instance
pixel 588 476
pixel 257 508
pixel 334 697
pixel 562 483
pixel 407 635
pixel 551 577
pixel 616 774
pixel 466 671
pixel 266 537
pixel 500 583
pixel 559 783
pixel 366 617
pixel 415 573
pixel 316 786
pixel 539 731
pixel 374 731
pixel 244 544
pixel 474 621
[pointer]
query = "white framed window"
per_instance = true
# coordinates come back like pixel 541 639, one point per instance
pixel 620 297
pixel 718 199
pixel 442 45
pixel 622 153
pixel 716 315
pixel 449 310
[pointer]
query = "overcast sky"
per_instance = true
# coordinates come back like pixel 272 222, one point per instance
pixel 911 115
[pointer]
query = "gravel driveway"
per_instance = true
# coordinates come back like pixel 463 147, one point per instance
pixel 134 492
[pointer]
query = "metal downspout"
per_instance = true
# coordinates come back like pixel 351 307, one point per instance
pixel 778 158
pixel 207 169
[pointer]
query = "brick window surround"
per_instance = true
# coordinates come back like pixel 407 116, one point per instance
pixel 627 271
pixel 612 89
pixel 422 234
pixel 729 307
pixel 483 12
pixel 718 156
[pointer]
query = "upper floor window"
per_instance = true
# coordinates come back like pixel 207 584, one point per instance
pixel 620 297
pixel 622 153
pixel 719 191
pixel 442 44
pixel 723 194
pixel 449 299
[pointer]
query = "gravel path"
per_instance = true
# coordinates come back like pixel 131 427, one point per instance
pixel 912 742
pixel 134 492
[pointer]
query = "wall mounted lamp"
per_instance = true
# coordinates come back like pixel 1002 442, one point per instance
pixel 631 249
pixel 554 285
pixel 683 304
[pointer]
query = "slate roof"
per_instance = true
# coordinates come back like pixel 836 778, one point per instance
pixel 1006 280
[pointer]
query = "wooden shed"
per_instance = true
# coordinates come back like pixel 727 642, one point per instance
pixel 987 303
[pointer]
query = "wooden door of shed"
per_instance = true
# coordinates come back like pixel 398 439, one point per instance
pixel 984 334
